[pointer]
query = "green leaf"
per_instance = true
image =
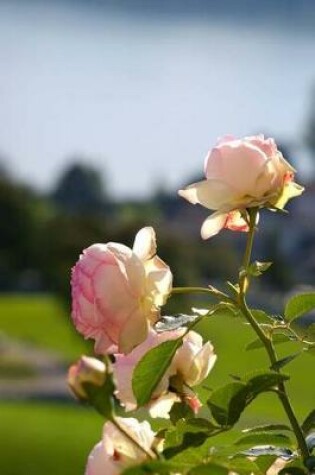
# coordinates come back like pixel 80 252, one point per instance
pixel 189 439
pixel 299 305
pixel 151 368
pixel 173 322
pixel 284 361
pixel 267 428
pixel 264 462
pixel 209 468
pixel 102 397
pixel 305 332
pixel 190 433
pixel 257 268
pixel 260 382
pixel 243 466
pixel 292 471
pixel 239 464
pixel 199 423
pixel 228 402
pixel 180 410
pixel 309 423
pixel 260 316
pixel 156 467
pixel 263 438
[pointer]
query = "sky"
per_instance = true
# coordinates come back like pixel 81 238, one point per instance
pixel 143 96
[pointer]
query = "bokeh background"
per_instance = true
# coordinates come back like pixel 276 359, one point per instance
pixel 107 107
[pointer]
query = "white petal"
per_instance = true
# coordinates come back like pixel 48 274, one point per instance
pixel 161 407
pixel 159 280
pixel 213 224
pixel 145 243
pixel 212 194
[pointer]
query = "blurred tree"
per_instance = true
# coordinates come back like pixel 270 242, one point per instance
pixel 61 241
pixel 18 229
pixel 80 190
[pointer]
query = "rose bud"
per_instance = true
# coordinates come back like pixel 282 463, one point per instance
pixel 86 370
pixel 240 174
pixel 193 360
pixel 115 451
pixel 117 292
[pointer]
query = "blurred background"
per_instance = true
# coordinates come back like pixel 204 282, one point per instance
pixel 107 107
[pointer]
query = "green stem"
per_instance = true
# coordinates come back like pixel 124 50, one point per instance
pixel 148 453
pixel 282 393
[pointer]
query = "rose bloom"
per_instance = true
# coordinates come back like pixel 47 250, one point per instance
pixel 192 363
pixel 117 292
pixel 86 370
pixel 240 174
pixel 115 451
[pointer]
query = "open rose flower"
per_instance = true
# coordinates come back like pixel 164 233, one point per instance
pixel 191 363
pixel 117 292
pixel 240 174
pixel 115 451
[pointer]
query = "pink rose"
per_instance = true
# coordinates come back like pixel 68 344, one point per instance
pixel 117 292
pixel 192 363
pixel 115 452
pixel 86 370
pixel 241 173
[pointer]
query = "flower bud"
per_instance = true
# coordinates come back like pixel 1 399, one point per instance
pixel 193 360
pixel 86 370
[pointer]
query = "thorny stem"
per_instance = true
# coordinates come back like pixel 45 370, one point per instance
pixel 282 393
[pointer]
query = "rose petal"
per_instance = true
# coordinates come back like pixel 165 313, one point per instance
pixel 161 407
pixel 133 332
pixel 159 280
pixel 145 243
pixel 213 224
pixel 236 163
pixel 212 193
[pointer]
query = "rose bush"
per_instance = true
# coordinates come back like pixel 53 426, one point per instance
pixel 156 360
pixel 240 174
pixel 116 451
pixel 117 292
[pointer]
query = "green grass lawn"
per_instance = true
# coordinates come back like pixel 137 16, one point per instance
pixel 42 321
pixel 46 439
